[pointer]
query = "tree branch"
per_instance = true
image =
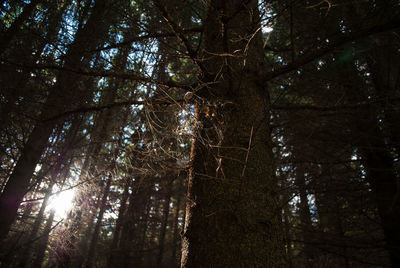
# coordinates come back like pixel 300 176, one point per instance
pixel 312 107
pixel 301 61
pixel 179 33
pixel 148 36
pixel 127 75
pixel 97 108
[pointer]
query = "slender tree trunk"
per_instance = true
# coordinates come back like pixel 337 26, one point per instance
pixel 128 252
pixel 288 237
pixel 42 245
pixel 26 255
pixel 164 223
pixel 95 235
pixel 176 244
pixel 63 160
pixel 305 217
pixel 118 226
pixel 80 255
pixel 143 233
pixel 233 216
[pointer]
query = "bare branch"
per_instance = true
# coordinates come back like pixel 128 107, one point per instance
pixel 179 33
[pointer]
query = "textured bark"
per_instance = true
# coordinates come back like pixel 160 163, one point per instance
pixel 233 216
pixel 176 245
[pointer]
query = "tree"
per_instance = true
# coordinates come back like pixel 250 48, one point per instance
pixel 233 212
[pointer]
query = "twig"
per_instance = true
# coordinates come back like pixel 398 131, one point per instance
pixel 248 152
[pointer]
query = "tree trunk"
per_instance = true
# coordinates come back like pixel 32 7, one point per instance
pixel 164 223
pixel 380 173
pixel 95 235
pixel 233 217
pixel 128 253
pixel 42 245
pixel 288 237
pixel 118 226
pixel 26 254
pixel 176 238
pixel 305 217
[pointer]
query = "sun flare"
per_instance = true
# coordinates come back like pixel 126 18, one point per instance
pixel 61 203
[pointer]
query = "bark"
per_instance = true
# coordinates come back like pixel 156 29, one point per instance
pixel 67 93
pixel 331 239
pixel 305 217
pixel 288 237
pixel 232 216
pixel 118 226
pixel 128 253
pixel 164 223
pixel 26 255
pixel 82 247
pixel 57 173
pixel 176 238
pixel 43 241
pixel 376 155
pixel 380 173
pixel 377 158
pixel 95 235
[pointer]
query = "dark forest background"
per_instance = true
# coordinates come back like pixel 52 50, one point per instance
pixel 236 133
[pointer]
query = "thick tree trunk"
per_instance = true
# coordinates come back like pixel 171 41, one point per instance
pixel 233 217
pixel 380 173
pixel 18 182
